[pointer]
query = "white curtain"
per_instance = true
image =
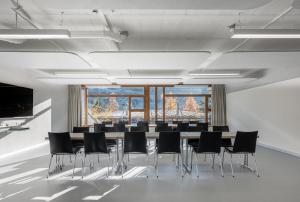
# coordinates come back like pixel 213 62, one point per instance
pixel 219 105
pixel 74 109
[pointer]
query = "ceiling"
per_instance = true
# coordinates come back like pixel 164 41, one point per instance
pixel 167 40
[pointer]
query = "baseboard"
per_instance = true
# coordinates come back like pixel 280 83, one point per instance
pixel 279 149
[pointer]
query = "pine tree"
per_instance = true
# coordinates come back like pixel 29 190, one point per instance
pixel 171 103
pixel 191 105
pixel 112 104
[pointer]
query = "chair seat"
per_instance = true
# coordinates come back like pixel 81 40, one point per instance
pixel 77 149
pixel 229 149
pixel 226 142
pixel 193 143
pixel 111 142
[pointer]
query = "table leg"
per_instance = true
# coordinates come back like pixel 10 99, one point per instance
pixel 186 157
pixel 119 160
pixel 186 153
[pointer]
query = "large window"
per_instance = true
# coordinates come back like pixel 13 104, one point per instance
pixel 135 103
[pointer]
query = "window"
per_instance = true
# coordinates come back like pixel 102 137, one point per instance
pixel 135 103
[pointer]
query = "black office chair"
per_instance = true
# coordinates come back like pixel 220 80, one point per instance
pixel 95 143
pixel 182 127
pixel 107 122
pixel 138 129
pixel 164 127
pixel 194 129
pixel 79 143
pixel 124 122
pixel 135 142
pixel 176 122
pixel 245 143
pixel 226 142
pixel 143 124
pixel 159 122
pixel 119 127
pixel 168 143
pixel 81 129
pixel 99 127
pixel 203 126
pixel 61 144
pixel 209 143
pixel 193 122
pixel 193 142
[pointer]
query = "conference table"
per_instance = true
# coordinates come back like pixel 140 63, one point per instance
pixel 151 125
pixel 185 136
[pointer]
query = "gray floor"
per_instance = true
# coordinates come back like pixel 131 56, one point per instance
pixel 279 181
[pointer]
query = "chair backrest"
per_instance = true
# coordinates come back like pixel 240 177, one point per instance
pixel 124 122
pixel 81 129
pixel 203 126
pixel 143 124
pixel 193 122
pixel 176 122
pixel 158 123
pixel 95 143
pixel 60 143
pixel 182 127
pixel 107 122
pixel 245 142
pixel 221 128
pixel 135 142
pixel 163 128
pixel 119 127
pixel 169 142
pixel 194 129
pixel 210 142
pixel 99 127
pixel 138 129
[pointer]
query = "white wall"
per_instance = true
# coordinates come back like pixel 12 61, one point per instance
pixel 50 112
pixel 273 110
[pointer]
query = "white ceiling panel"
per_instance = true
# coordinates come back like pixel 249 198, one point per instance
pixel 41 60
pixel 257 60
pixel 149 60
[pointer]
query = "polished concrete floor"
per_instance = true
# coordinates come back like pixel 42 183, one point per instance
pixel 25 180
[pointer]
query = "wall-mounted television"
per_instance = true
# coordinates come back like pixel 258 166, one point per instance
pixel 15 101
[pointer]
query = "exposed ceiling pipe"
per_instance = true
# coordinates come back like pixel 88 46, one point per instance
pixel 214 56
pixel 83 57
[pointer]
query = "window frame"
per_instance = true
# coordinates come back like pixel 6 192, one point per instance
pixel 146 97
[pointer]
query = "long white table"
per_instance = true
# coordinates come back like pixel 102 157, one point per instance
pixel 151 125
pixel 151 135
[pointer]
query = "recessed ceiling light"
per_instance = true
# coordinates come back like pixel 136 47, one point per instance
pixel 80 74
pixel 34 34
pixel 266 33
pixel 214 74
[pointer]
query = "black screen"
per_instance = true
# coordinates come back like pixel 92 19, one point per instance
pixel 15 101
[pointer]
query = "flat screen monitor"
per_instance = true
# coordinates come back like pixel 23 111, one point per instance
pixel 15 101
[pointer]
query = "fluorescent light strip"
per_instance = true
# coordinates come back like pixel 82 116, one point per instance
pixel 266 34
pixel 34 34
pixel 214 74
pixel 80 74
